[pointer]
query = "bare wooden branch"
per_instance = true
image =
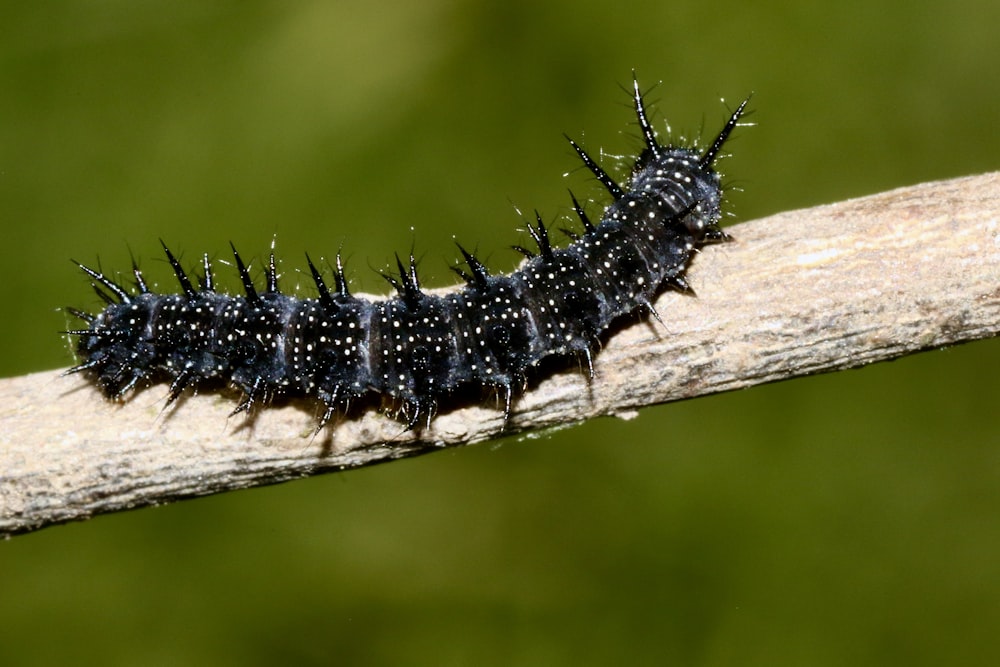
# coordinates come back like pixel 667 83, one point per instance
pixel 798 293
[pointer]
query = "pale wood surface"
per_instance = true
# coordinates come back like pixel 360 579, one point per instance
pixel 797 293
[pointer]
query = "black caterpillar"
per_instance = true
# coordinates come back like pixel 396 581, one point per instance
pixel 413 347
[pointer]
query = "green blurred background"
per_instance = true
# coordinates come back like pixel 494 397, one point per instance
pixel 844 519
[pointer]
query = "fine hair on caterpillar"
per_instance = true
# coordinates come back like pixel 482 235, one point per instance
pixel 414 348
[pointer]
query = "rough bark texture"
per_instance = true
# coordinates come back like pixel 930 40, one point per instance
pixel 798 293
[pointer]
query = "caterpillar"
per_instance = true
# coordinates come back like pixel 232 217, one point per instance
pixel 413 348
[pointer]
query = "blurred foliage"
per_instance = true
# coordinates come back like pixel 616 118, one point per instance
pixel 845 519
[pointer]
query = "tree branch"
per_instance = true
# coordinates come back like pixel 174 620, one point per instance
pixel 798 293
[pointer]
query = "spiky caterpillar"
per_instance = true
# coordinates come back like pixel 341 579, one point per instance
pixel 417 348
